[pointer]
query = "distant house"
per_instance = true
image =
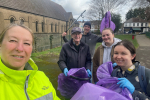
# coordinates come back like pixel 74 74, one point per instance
pixel 81 24
pixel 135 25
pixel 95 24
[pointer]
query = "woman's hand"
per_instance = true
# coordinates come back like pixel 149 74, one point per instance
pixel 114 64
pixel 123 82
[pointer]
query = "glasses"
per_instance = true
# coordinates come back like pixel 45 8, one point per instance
pixel 76 33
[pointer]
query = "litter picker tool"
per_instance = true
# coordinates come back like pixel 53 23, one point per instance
pixel 76 20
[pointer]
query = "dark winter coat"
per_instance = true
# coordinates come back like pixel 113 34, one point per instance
pixel 91 40
pixel 132 76
pixel 71 58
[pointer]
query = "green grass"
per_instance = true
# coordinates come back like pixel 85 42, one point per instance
pixel 147 36
pixel 56 51
pixel 128 37
pixel 122 37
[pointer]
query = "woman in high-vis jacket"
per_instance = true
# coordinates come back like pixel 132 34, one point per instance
pixel 19 75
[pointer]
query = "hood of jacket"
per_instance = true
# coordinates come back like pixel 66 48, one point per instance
pixel 116 40
pixel 107 50
pixel 18 76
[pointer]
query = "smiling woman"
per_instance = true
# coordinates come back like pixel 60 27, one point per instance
pixel 130 73
pixel 16 47
pixel 19 75
pixel 104 52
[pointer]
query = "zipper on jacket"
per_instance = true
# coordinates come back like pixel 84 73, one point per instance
pixel 25 87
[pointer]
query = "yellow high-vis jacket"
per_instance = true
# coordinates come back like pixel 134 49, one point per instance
pixel 27 84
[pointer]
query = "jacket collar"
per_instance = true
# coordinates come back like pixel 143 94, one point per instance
pixel 71 42
pixel 132 68
pixel 17 76
pixel 88 34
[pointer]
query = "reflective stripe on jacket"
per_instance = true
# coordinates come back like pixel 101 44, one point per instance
pixel 25 84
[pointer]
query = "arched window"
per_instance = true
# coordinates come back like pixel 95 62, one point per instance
pixel 21 21
pixel 12 20
pixel 146 24
pixel 56 28
pixel 42 26
pixel 36 26
pixel 62 28
pixel 52 27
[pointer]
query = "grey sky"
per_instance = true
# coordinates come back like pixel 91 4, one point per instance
pixel 78 6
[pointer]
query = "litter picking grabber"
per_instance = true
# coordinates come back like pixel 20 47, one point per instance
pixel 75 21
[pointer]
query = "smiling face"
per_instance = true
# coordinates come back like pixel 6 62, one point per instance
pixel 123 57
pixel 87 29
pixel 76 36
pixel 108 37
pixel 16 47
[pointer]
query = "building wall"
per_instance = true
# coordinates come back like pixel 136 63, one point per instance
pixel 52 27
pixel 136 24
pixel 30 21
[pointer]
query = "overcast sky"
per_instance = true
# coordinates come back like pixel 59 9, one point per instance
pixel 78 6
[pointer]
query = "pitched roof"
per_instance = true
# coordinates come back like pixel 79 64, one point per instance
pixel 45 8
pixel 131 20
pixel 95 22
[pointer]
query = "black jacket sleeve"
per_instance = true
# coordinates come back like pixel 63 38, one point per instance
pixel 142 96
pixel 62 59
pixel 99 39
pixel 139 96
pixel 64 38
pixel 88 60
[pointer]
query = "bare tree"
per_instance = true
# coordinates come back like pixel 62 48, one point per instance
pixel 141 3
pixel 98 8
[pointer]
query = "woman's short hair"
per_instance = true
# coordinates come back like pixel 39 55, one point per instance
pixel 129 45
pixel 108 29
pixel 2 35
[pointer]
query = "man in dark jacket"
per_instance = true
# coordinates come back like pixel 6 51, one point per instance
pixel 75 53
pixel 87 37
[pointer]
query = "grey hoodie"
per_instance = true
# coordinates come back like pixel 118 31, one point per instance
pixel 107 50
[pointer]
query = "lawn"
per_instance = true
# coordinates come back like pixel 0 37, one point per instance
pixel 54 51
pixel 122 37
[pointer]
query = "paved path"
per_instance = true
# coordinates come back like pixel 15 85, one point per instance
pixel 143 52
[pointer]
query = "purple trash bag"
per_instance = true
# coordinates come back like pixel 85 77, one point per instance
pixel 105 80
pixel 90 91
pixel 107 23
pixel 70 84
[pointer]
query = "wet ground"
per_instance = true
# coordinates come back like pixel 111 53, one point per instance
pixel 50 68
pixel 143 51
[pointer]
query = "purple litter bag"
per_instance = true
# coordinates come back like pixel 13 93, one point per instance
pixel 90 91
pixel 69 85
pixel 105 80
pixel 107 23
